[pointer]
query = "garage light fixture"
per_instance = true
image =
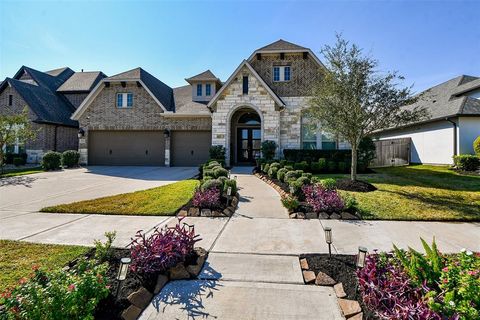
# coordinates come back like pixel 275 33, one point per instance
pixel 166 133
pixel 328 239
pixel 361 256
pixel 81 133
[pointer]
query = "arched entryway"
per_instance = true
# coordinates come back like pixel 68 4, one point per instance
pixel 245 136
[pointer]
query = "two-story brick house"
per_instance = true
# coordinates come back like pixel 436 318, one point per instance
pixel 135 119
pixel 50 98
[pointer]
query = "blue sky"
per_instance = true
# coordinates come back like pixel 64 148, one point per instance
pixel 428 42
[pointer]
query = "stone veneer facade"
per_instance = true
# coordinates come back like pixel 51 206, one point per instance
pixel 146 114
pixel 48 136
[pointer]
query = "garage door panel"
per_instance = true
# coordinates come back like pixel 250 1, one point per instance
pixel 190 148
pixel 126 148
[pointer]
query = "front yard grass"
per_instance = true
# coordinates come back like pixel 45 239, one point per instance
pixel 21 172
pixel 17 259
pixel 160 201
pixel 418 192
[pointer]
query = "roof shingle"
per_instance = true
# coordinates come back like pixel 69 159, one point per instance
pixel 280 45
pixel 81 81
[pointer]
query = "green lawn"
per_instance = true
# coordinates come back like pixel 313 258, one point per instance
pixel 21 172
pixel 161 201
pixel 419 192
pixel 17 259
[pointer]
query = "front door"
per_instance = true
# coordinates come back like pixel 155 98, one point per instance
pixel 249 141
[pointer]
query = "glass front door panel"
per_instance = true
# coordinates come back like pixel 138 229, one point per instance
pixel 248 144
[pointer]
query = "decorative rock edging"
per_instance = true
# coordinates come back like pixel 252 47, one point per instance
pixel 141 298
pixel 305 215
pixel 192 211
pixel 350 308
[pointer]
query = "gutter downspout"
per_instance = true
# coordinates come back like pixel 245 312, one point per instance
pixel 454 135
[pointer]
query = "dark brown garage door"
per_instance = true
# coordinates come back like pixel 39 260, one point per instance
pixel 190 148
pixel 126 148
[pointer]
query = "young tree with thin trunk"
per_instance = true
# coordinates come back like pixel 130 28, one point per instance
pixel 353 99
pixel 14 128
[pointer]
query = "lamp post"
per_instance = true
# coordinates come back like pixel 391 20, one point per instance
pixel 328 239
pixel 362 254
pixel 122 272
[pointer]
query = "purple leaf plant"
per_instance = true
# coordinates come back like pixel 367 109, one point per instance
pixel 207 199
pixel 323 200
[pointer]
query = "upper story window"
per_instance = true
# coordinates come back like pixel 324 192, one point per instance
pixel 124 100
pixel 208 89
pixel 10 100
pixel 245 84
pixel 281 73
pixel 199 90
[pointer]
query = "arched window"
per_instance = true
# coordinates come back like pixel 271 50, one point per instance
pixel 249 118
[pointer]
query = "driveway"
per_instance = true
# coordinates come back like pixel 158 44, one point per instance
pixel 30 193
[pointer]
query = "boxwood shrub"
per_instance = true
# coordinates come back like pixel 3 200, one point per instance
pixel 18 161
pixel 281 174
pixel 220 172
pixel 70 158
pixel 51 160
pixel 272 172
pixel 467 162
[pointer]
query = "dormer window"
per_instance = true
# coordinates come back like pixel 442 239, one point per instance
pixel 124 100
pixel 281 73
pixel 199 90
pixel 208 89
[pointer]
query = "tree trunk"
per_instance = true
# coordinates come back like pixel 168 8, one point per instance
pixel 353 170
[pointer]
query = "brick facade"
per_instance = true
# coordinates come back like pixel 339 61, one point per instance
pixel 46 139
pixel 103 114
pixel 304 73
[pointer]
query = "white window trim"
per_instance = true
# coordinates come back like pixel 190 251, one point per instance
pixel 281 74
pixel 124 100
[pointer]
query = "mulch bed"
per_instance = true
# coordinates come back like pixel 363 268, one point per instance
pixel 357 186
pixel 340 268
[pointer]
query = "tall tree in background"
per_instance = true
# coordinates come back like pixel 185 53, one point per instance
pixel 353 99
pixel 14 128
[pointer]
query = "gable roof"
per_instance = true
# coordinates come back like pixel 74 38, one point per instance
pixel 184 104
pixel 56 72
pixel 81 81
pixel 282 45
pixel 275 97
pixel 52 82
pixel 204 76
pixel 48 106
pixel 162 92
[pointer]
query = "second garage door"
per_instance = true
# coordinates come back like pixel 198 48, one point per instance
pixel 190 148
pixel 127 148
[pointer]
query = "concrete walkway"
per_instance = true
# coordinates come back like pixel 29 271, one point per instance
pixel 253 271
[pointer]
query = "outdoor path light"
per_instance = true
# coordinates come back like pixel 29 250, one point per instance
pixel 122 272
pixel 328 239
pixel 362 254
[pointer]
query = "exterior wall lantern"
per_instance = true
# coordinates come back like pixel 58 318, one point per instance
pixel 122 272
pixel 362 254
pixel 81 133
pixel 328 239
pixel 166 133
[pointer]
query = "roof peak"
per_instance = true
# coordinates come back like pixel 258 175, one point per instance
pixel 203 76
pixel 282 45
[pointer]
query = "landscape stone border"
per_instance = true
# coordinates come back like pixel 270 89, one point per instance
pixel 308 215
pixel 350 309
pixel 141 298
pixel 198 212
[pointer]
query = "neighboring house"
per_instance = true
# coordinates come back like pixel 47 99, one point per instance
pixel 135 119
pixel 453 122
pixel 50 98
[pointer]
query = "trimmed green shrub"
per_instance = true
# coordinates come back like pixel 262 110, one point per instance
pixel 291 175
pixel 217 152
pixel 331 166
pixel 283 163
pixel 268 149
pixel 8 158
pixel 281 174
pixel 266 167
pixel 290 203
pixel 303 180
pixel 70 158
pixel 289 167
pixel 301 166
pixel 275 165
pixel 322 162
pixel 208 173
pixel 329 183
pixel 272 172
pixel 467 162
pixel 476 146
pixel 230 183
pixel 220 172
pixel 316 180
pixel 315 167
pixel 200 170
pixel 307 174
pixel 349 200
pixel 299 172
pixel 51 160
pixel 211 184
pixel 222 179
pixel 18 161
